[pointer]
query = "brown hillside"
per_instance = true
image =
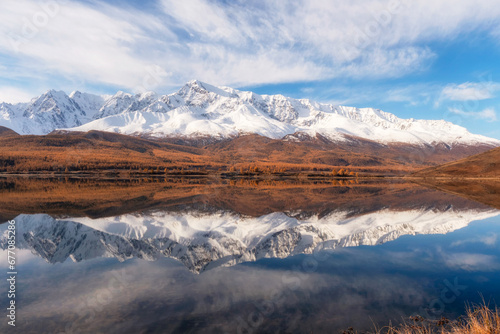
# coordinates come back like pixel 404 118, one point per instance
pixel 91 151
pixel 4 132
pixel 483 165
pixel 354 152
pixel 476 177
pixel 72 152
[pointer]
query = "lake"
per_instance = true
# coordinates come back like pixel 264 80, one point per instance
pixel 202 255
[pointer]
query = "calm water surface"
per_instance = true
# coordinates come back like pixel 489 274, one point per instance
pixel 170 256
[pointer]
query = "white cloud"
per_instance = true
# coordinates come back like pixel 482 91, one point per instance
pixel 15 95
pixel 388 63
pixel 488 114
pixel 74 40
pixel 412 94
pixel 231 43
pixel 471 262
pixel 490 239
pixel 371 95
pixel 470 91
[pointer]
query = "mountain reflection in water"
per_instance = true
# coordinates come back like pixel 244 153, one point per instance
pixel 172 255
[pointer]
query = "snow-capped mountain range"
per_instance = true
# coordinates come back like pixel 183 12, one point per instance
pixel 199 110
pixel 202 241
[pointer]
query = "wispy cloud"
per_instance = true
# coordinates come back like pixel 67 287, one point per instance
pixel 488 114
pixel 373 95
pixel 14 95
pixel 236 43
pixel 471 262
pixel 416 94
pixel 490 239
pixel 74 40
pixel 470 91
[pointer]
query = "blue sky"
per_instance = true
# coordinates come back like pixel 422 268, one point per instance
pixel 432 59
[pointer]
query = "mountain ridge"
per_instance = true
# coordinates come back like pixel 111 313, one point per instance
pixel 198 109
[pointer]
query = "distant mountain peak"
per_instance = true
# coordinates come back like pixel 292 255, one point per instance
pixel 196 86
pixel 75 93
pixel 121 93
pixel 148 94
pixel 194 82
pixel 54 94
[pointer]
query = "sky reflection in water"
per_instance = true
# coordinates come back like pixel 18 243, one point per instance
pixel 326 291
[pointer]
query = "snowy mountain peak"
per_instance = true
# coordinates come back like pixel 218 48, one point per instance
pixel 74 94
pixel 194 83
pixel 52 94
pixel 196 89
pixel 147 96
pixel 51 102
pixel 201 86
pixel 200 109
